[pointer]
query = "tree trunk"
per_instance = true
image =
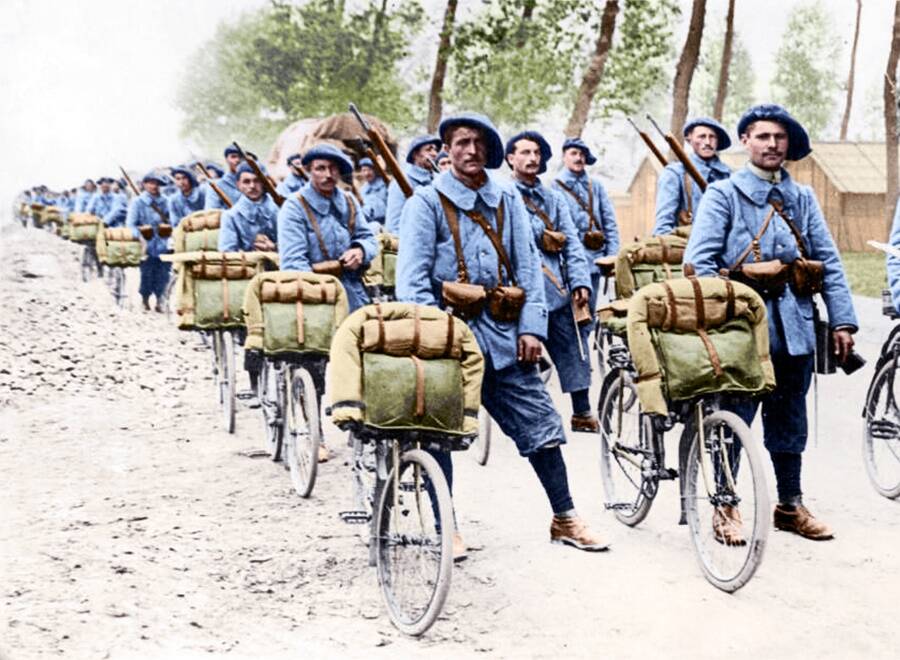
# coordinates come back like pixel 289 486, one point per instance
pixel 850 78
pixel 436 96
pixel 684 72
pixel 890 121
pixel 375 42
pixel 594 71
pixel 722 91
pixel 527 12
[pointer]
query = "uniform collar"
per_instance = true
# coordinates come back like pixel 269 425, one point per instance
pixel 569 177
pixel 758 190
pixel 376 184
pixel 705 166
pixel 322 204
pixel 464 197
pixel 418 174
pixel 537 190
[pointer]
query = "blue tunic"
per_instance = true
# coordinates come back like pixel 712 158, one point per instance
pixel 604 214
pixel 101 203
pixel 893 263
pixel 291 184
pixel 82 198
pixel 242 222
pixel 730 215
pixel 181 205
pixel 671 196
pixel 140 212
pixel 298 246
pixel 117 214
pixel 417 177
pixel 375 200
pixel 228 185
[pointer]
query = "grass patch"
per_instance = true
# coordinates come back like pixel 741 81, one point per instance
pixel 866 272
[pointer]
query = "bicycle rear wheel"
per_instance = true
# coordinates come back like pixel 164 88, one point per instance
pixel 89 264
pixel 482 444
pixel 303 431
pixel 271 399
pixel 414 531
pixel 626 451
pixel 226 376
pixel 881 433
pixel 117 286
pixel 724 470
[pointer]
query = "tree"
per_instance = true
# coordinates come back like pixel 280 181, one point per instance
pixel 684 71
pixel 741 79
pixel 845 121
pixel 805 81
pixel 436 96
pixel 725 64
pixel 890 120
pixel 594 72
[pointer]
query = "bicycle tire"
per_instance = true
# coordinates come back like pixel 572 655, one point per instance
pixel 89 263
pixel 118 286
pixel 482 444
pixel 271 400
pixel 438 548
pixel 226 379
pixel 628 489
pixel 742 560
pixel 881 433
pixel 303 431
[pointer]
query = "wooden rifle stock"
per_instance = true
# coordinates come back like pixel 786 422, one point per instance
pixel 137 193
pixel 650 144
pixel 680 153
pixel 222 196
pixel 389 160
pixel 376 165
pixel 263 178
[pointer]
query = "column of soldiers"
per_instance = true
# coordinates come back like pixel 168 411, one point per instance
pixel 465 224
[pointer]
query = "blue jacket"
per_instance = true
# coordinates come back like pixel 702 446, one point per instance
pixel 82 198
pixel 291 184
pixel 375 200
pixel 730 215
pixel 298 246
pixel 117 214
pixel 242 222
pixel 228 185
pixel 671 197
pixel 604 213
pixel 100 204
pixel 427 258
pixel 181 205
pixel 893 263
pixel 417 178
pixel 141 213
pixel 570 267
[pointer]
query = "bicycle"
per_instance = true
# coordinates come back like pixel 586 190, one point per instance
pixel 881 416
pixel 224 374
pixel 115 280
pixel 90 264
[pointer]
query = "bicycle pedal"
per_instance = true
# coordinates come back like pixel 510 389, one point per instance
pixel 355 517
pixel 884 429
pixel 669 473
pixel 244 396
pixel 618 506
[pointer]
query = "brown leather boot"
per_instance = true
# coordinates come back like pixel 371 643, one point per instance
pixel 573 531
pixel 585 424
pixel 727 526
pixel 324 454
pixel 802 522
pixel 459 548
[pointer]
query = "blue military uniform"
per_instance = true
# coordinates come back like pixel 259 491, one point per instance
pixel 154 271
pixel 374 196
pixel 893 263
pixel 731 213
pixel 227 183
pixel 244 221
pixel 298 244
pixel 181 205
pixel 292 183
pixel 676 191
pixel 117 214
pixel 592 195
pixel 102 203
pixel 82 198
pixel 417 177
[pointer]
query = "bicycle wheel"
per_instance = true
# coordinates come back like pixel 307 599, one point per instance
pixel 413 549
pixel 226 377
pixel 602 341
pixel 89 263
pixel 271 399
pixel 117 285
pixel 881 433
pixel 724 470
pixel 303 431
pixel 627 459
pixel 482 444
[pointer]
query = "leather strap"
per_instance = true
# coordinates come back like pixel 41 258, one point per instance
pixel 379 345
pixel 539 212
pixel 315 225
pixel 587 208
pixel 701 328
pixel 729 300
pixel 754 244
pixel 779 208
pixel 448 349
pixel 496 241
pixel 417 331
pixel 462 273
pixel 420 385
pixel 553 279
pixel 699 307
pixel 301 337
pixel 672 316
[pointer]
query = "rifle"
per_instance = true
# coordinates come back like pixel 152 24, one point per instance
pixel 266 181
pixel 389 160
pixel 216 189
pixel 678 150
pixel 650 144
pixel 376 164
pixel 137 193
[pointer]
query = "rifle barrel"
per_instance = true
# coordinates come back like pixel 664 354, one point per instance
pixel 263 178
pixel 389 159
pixel 649 142
pixel 680 153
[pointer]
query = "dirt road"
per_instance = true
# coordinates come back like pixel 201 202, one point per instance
pixel 131 526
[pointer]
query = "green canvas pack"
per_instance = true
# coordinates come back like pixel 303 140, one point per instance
pixel 198 232
pixel 218 304
pixel 124 254
pixel 83 227
pixel 391 393
pixel 653 259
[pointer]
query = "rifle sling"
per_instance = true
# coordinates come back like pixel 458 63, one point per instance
pixel 587 208
pixel 314 223
pixel 539 212
pixel 479 219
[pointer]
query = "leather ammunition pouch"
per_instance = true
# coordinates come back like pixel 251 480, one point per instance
pixel 807 276
pixel 164 230
pixel 505 303
pixel 464 299
pixel 146 231
pixel 767 278
pixel 552 242
pixel 594 240
pixel 330 267
pixel 685 218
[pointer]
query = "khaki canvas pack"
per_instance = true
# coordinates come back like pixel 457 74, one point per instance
pixel 407 367
pixel 117 247
pixel 382 270
pixel 83 227
pixel 198 232
pixel 653 259
pixel 292 312
pixel 695 336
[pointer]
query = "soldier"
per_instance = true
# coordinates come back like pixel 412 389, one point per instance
pixel 189 197
pixel 149 208
pixel 227 183
pixel 324 226
pixel 567 278
pixel 591 209
pixel 251 224
pixel 761 204
pixel 677 194
pixel 295 180
pixel 374 192
pixel 512 391
pixel 419 157
pixel 103 200
pixel 443 161
pixel 84 195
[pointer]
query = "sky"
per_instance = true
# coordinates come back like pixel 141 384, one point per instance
pixel 89 84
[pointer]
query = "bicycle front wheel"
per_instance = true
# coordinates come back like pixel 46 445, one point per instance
pixel 881 433
pixel 89 264
pixel 482 444
pixel 271 399
pixel 303 431
pixel 226 377
pixel 414 536
pixel 725 490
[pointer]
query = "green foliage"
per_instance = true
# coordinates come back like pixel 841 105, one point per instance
pixel 866 272
pixel 806 82
pixel 290 61
pixel 741 79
